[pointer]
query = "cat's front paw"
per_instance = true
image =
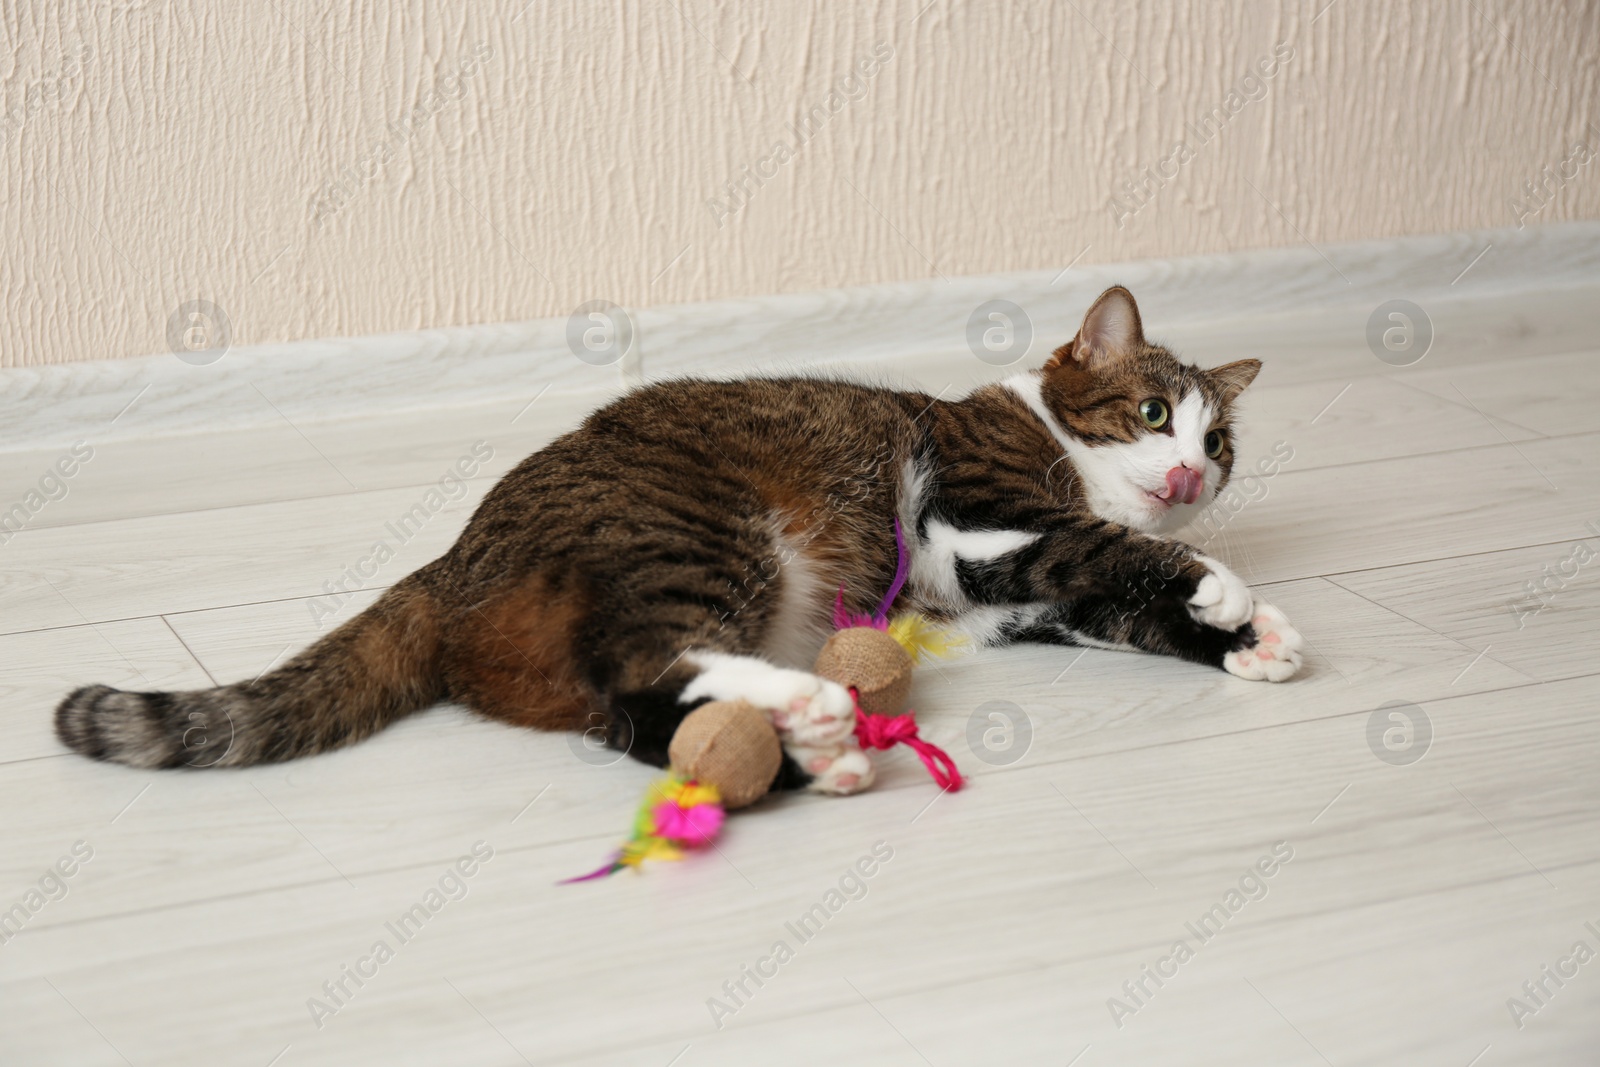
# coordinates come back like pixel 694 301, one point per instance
pixel 836 770
pixel 1221 599
pixel 1274 656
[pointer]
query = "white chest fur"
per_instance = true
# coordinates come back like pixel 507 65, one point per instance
pixel 936 553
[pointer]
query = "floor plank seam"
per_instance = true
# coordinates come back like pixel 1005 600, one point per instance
pixel 1460 555
pixel 1430 629
pixel 1060 963
pixel 1538 435
pixel 203 669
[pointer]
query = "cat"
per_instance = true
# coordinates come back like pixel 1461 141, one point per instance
pixel 686 544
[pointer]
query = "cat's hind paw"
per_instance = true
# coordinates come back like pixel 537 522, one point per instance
pixel 1274 656
pixel 823 717
pixel 804 708
pixel 837 770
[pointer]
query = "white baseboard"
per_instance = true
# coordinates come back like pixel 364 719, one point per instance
pixel 1207 306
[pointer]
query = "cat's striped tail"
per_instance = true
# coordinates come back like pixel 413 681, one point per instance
pixel 377 667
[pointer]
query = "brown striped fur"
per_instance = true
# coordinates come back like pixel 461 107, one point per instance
pixel 678 517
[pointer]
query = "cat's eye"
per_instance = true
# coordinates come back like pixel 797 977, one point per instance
pixel 1214 443
pixel 1154 413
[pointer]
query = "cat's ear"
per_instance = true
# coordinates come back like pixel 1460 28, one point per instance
pixel 1233 377
pixel 1110 330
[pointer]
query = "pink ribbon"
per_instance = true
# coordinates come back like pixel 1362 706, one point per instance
pixel 886 731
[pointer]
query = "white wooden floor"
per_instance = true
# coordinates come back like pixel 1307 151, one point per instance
pixel 1420 895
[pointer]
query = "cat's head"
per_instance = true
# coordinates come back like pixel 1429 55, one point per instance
pixel 1150 438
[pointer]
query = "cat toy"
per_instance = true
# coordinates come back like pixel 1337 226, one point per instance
pixel 872 656
pixel 726 754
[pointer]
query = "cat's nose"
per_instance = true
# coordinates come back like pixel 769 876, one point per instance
pixel 1184 485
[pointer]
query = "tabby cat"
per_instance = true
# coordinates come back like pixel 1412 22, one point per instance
pixel 687 541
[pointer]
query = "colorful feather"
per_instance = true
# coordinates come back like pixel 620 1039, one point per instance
pixel 677 814
pixel 844 619
pixel 922 638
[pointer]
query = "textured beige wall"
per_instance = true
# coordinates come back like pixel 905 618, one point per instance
pixel 319 169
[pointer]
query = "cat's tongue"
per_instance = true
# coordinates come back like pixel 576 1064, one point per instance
pixel 1183 485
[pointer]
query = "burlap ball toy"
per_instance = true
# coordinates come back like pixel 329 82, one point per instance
pixel 873 663
pixel 731 745
pixel 726 754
